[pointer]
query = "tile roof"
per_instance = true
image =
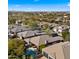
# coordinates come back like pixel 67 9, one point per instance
pixel 59 50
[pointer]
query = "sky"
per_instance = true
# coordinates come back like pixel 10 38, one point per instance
pixel 38 5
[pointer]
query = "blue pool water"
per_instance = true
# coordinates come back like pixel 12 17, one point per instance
pixel 31 53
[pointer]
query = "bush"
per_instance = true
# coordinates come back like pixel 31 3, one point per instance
pixel 41 47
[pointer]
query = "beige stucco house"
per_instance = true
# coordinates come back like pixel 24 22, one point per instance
pixel 44 39
pixel 57 51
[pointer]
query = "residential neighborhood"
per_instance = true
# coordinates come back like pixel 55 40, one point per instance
pixel 39 35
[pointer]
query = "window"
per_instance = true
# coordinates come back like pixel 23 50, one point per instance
pixel 50 58
pixel 46 42
pixel 45 54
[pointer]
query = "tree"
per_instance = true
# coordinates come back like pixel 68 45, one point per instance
pixel 48 31
pixel 32 23
pixel 16 47
pixel 66 36
pixel 11 21
pixel 45 26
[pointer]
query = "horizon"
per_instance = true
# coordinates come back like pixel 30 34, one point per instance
pixel 37 11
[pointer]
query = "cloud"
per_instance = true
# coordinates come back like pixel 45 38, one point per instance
pixel 68 4
pixel 17 5
pixel 29 8
pixel 36 0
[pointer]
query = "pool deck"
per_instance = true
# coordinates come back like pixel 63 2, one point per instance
pixel 43 57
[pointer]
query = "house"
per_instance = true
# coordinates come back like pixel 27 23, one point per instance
pixel 45 39
pixel 58 19
pixel 18 28
pixel 54 24
pixel 58 30
pixel 31 34
pixel 11 34
pixel 25 34
pixel 57 51
pixel 64 27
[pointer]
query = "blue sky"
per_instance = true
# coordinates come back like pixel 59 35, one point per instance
pixel 39 5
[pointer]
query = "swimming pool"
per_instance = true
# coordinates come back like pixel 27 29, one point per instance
pixel 31 53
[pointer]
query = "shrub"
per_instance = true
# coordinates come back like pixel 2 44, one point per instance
pixel 41 47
